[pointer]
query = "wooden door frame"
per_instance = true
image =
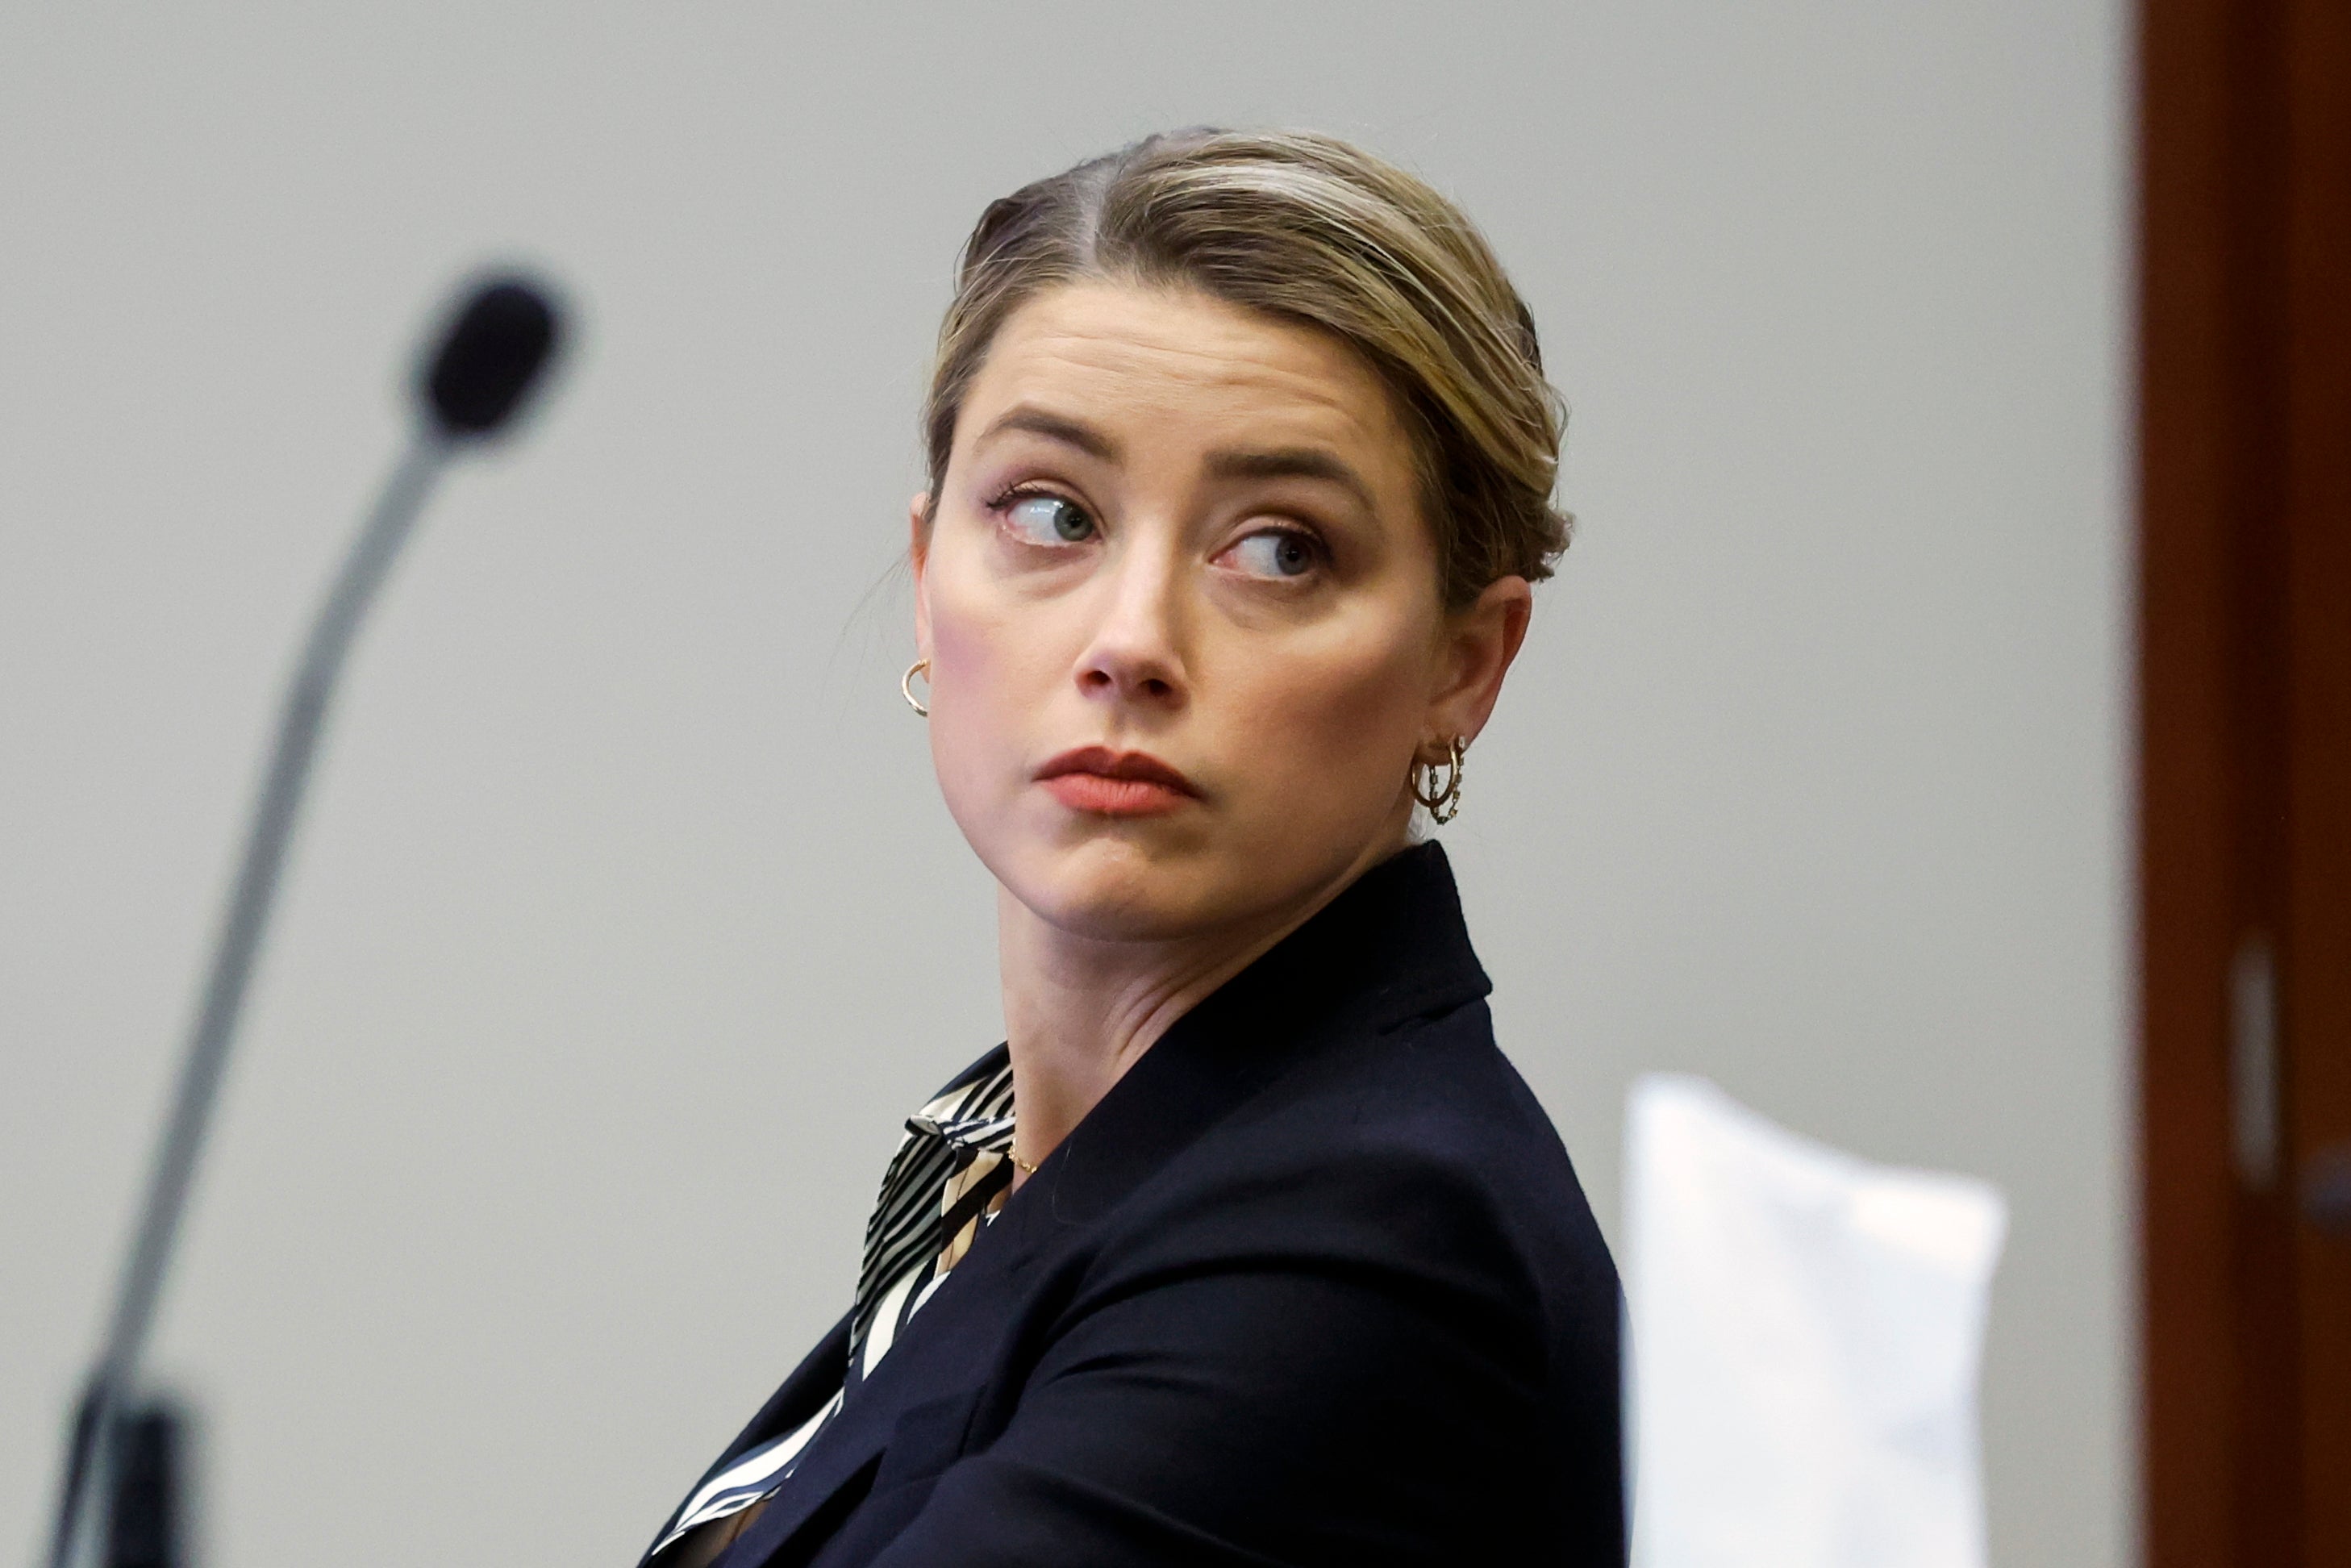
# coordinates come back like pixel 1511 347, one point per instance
pixel 2245 776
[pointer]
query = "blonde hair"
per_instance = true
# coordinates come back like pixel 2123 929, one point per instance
pixel 1308 228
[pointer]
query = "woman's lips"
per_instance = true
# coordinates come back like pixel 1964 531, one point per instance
pixel 1115 783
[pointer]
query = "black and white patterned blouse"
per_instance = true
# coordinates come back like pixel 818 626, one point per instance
pixel 949 1177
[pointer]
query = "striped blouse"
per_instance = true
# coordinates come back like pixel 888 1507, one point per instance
pixel 950 1175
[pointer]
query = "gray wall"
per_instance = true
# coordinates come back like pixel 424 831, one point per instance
pixel 625 921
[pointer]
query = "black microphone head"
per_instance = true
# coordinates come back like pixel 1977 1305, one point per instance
pixel 499 342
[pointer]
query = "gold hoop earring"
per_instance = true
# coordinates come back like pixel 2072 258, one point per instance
pixel 1442 804
pixel 906 685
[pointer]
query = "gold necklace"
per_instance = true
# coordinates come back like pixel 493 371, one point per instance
pixel 1019 1163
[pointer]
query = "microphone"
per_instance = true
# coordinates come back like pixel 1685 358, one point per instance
pixel 119 1490
pixel 490 358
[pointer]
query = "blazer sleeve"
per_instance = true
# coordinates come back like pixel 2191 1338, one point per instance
pixel 1335 1361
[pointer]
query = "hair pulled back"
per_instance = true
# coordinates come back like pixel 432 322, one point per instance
pixel 1309 229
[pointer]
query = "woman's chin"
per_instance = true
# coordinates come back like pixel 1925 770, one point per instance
pixel 1117 888
pixel 1113 888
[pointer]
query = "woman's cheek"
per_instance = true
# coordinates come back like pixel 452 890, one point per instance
pixel 996 680
pixel 1330 729
pixel 964 689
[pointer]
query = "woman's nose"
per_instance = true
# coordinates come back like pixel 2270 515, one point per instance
pixel 1137 653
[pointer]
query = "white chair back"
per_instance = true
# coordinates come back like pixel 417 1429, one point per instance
pixel 1805 1342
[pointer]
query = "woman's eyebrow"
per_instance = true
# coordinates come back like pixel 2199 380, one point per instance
pixel 1292 463
pixel 1053 427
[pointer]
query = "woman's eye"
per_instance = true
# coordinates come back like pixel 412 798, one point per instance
pixel 1276 553
pixel 1050 520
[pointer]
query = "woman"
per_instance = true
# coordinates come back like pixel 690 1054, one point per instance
pixel 1248 1246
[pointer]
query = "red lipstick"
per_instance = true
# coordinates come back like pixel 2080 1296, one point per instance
pixel 1109 783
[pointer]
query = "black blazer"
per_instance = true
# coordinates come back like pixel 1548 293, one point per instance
pixel 1314 1284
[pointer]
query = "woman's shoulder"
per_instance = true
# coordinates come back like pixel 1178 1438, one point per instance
pixel 1435 1093
pixel 1420 1144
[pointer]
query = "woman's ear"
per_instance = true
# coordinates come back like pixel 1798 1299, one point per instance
pixel 918 556
pixel 1479 643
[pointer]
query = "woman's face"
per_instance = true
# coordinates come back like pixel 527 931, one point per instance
pixel 1183 616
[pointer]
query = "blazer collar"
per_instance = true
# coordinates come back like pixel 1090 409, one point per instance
pixel 1391 947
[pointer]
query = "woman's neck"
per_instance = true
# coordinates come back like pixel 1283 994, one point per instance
pixel 1079 1011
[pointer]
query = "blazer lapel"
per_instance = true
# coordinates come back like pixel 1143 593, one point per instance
pixel 937 1358
pixel 843 1452
pixel 812 1383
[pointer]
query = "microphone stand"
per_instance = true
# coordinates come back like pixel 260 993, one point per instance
pixel 493 352
pixel 90 1473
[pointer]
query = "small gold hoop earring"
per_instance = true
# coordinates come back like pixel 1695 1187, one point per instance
pixel 1443 803
pixel 906 685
